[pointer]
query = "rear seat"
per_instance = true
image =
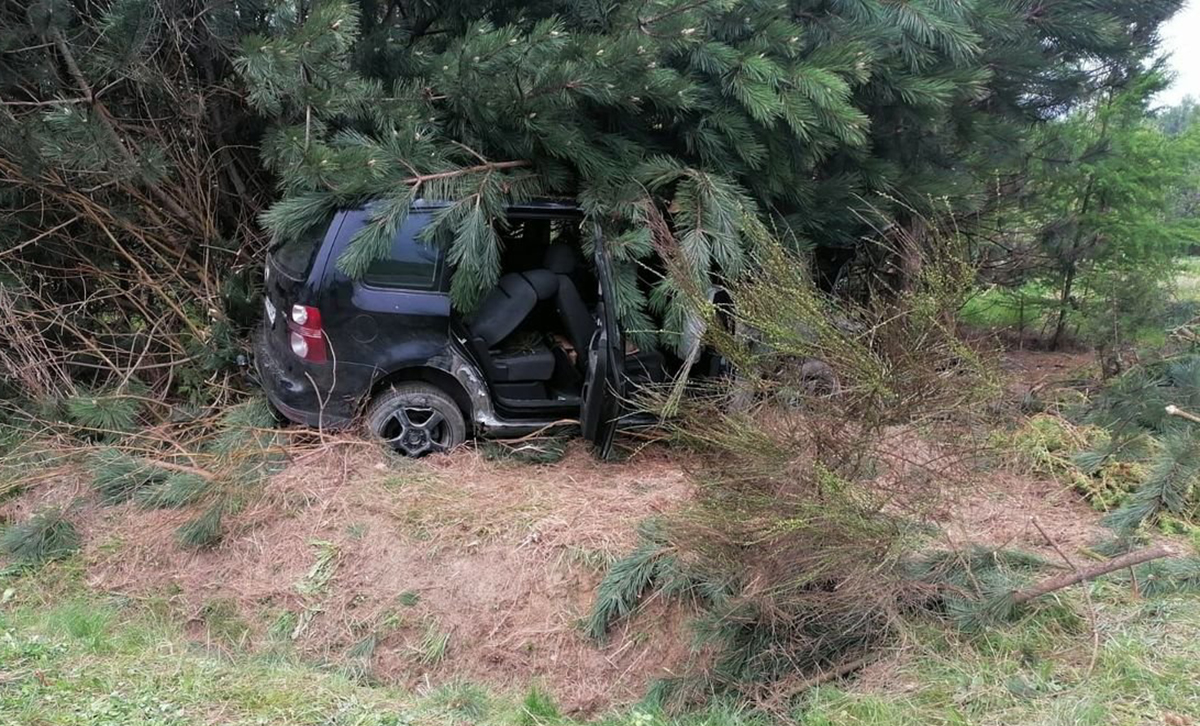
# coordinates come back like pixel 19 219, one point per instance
pixel 502 311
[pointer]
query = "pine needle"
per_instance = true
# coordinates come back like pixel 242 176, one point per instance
pixel 176 491
pixel 117 476
pixel 44 537
pixel 204 531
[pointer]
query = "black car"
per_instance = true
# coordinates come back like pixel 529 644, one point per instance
pixel 543 348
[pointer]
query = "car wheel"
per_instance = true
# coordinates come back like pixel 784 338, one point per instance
pixel 416 419
pixel 819 379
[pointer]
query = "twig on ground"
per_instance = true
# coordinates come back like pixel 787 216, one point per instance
pixel 1087 598
pixel 1058 582
pixel 1180 413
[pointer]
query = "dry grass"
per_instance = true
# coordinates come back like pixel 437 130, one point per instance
pixel 501 560
pixel 495 560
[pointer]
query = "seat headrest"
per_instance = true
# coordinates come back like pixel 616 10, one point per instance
pixel 562 259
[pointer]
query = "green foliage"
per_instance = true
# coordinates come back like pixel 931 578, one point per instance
pixel 697 122
pixel 205 530
pixel 975 587
pixel 461 700
pixel 434 644
pixel 42 538
pixel 1101 219
pixel 537 709
pixel 104 413
pixel 1162 449
pixel 117 476
pixel 685 129
pixel 628 579
pixel 1169 486
pixel 1031 672
pixel 224 623
pixel 90 624
pixel 1082 457
pixel 175 491
pixel 228 456
pixel 796 547
pixel 321 573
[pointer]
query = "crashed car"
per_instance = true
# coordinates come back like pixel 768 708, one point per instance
pixel 543 348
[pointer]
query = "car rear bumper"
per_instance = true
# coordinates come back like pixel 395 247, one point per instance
pixel 311 395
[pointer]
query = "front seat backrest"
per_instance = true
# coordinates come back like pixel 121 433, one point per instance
pixel 509 303
pixel 580 324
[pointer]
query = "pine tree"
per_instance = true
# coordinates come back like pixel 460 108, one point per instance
pixel 725 119
pixel 132 131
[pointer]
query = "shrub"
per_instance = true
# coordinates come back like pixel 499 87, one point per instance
pixel 798 547
pixel 44 537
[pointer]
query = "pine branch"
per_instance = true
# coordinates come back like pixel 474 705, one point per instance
pixel 179 468
pixel 110 128
pixel 1066 579
pixel 421 179
pixel 1180 413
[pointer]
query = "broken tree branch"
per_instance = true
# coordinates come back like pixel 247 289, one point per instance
pixel 1066 579
pixel 1180 413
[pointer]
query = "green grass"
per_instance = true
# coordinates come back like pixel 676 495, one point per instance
pixel 1037 672
pixel 995 308
pixel 69 657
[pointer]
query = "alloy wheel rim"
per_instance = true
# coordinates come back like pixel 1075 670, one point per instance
pixel 414 430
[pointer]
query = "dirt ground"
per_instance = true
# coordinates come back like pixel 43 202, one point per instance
pixel 450 568
pixel 456 567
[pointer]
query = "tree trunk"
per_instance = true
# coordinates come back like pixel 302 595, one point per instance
pixel 1063 301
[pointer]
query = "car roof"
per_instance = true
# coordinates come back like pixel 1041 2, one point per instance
pixel 533 207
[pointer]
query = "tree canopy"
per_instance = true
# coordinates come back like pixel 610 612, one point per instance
pixel 143 138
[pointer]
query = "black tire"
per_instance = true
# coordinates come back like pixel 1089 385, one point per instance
pixel 401 416
pixel 819 379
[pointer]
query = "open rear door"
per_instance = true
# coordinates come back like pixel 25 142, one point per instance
pixel 604 383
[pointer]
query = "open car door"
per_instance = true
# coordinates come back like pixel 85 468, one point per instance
pixel 604 382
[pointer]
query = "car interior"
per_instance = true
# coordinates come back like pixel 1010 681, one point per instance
pixel 531 333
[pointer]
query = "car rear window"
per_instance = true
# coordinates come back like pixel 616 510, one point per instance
pixel 295 256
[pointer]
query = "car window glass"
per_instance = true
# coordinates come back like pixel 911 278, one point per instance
pixel 412 264
pixel 295 255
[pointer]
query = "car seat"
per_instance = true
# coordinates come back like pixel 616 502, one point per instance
pixel 564 261
pixel 580 324
pixel 501 312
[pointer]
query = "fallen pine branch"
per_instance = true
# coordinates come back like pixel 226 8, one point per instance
pixel 1066 579
pixel 1180 413
pixel 179 468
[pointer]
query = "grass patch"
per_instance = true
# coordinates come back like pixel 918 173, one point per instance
pixel 86 622
pixel 224 624
pixel 434 644
pixel 462 700
pixel 537 708
pixel 1147 668
pixel 72 658
pixel 1027 307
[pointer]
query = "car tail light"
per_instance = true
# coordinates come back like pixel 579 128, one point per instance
pixel 307 337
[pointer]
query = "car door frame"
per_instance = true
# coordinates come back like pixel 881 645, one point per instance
pixel 603 394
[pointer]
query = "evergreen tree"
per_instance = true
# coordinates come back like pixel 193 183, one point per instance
pixel 687 129
pixel 721 118
pixel 1103 213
